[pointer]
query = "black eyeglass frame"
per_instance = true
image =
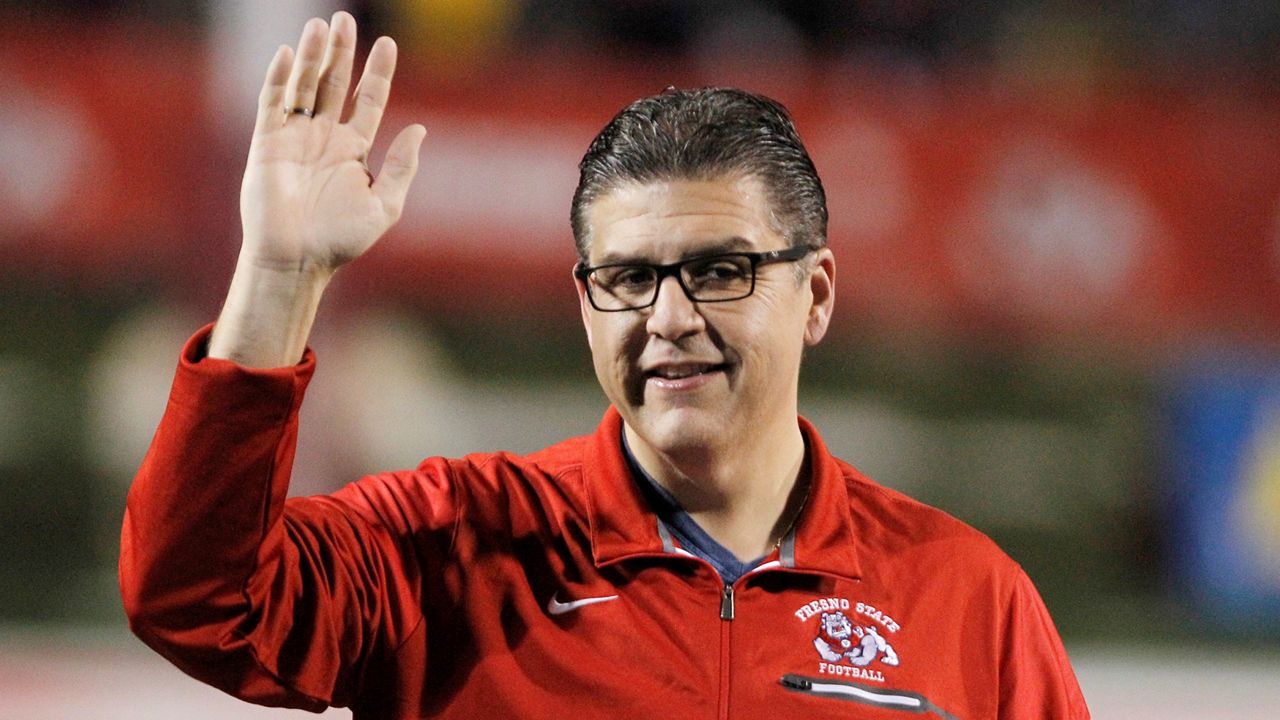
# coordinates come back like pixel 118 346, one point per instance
pixel 582 271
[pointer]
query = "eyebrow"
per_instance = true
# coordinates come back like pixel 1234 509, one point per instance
pixel 726 245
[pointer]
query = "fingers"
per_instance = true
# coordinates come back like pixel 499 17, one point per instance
pixel 319 75
pixel 301 90
pixel 335 70
pixel 374 88
pixel 399 169
pixel 271 99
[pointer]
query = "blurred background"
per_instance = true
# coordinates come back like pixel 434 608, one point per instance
pixel 1058 234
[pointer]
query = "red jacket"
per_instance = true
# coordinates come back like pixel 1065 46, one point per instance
pixel 456 590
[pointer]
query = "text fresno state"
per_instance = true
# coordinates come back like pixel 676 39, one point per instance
pixel 814 607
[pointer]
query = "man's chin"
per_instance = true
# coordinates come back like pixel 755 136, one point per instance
pixel 677 431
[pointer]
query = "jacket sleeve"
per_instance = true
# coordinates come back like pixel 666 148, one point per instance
pixel 278 602
pixel 1036 679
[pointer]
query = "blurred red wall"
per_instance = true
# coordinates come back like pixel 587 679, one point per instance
pixel 1138 214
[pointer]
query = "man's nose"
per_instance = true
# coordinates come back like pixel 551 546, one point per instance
pixel 673 314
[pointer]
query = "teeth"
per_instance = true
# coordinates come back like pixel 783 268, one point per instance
pixel 675 373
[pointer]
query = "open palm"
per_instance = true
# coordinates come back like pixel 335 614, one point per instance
pixel 308 199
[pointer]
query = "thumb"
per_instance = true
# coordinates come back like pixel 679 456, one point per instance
pixel 398 170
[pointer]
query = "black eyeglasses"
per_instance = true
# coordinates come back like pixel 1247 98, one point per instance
pixel 707 278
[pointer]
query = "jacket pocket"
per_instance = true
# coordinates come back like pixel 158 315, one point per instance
pixel 889 699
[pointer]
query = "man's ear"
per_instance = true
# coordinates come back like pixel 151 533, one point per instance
pixel 584 304
pixel 822 287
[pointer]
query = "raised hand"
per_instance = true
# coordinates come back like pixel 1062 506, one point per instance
pixel 308 202
pixel 308 198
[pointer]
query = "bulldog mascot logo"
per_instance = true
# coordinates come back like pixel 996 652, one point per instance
pixel 859 645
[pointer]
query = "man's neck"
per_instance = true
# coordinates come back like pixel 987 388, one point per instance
pixel 744 495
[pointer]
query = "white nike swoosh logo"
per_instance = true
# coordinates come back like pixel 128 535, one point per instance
pixel 555 607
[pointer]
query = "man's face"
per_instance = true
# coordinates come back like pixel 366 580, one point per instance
pixel 693 377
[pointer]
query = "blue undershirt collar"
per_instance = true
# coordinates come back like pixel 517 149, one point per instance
pixel 683 527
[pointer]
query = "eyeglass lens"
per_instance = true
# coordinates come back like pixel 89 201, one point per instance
pixel 707 279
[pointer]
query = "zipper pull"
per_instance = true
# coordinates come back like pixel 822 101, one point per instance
pixel 726 603
pixel 796 682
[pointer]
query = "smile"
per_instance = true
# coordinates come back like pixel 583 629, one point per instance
pixel 676 372
pixel 683 376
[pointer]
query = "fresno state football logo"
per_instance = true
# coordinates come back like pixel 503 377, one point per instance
pixel 840 640
pixel 848 650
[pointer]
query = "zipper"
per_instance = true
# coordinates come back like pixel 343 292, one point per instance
pixel 726 603
pixel 868 695
pixel 726 626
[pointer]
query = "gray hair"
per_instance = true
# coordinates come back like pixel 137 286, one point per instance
pixel 702 135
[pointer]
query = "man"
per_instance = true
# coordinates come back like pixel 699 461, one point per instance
pixel 701 555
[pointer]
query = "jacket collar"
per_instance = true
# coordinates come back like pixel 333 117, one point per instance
pixel 623 525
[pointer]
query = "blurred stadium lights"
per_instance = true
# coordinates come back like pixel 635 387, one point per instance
pixel 54 147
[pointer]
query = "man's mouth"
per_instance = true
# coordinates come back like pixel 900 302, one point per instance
pixel 676 372
pixel 684 371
